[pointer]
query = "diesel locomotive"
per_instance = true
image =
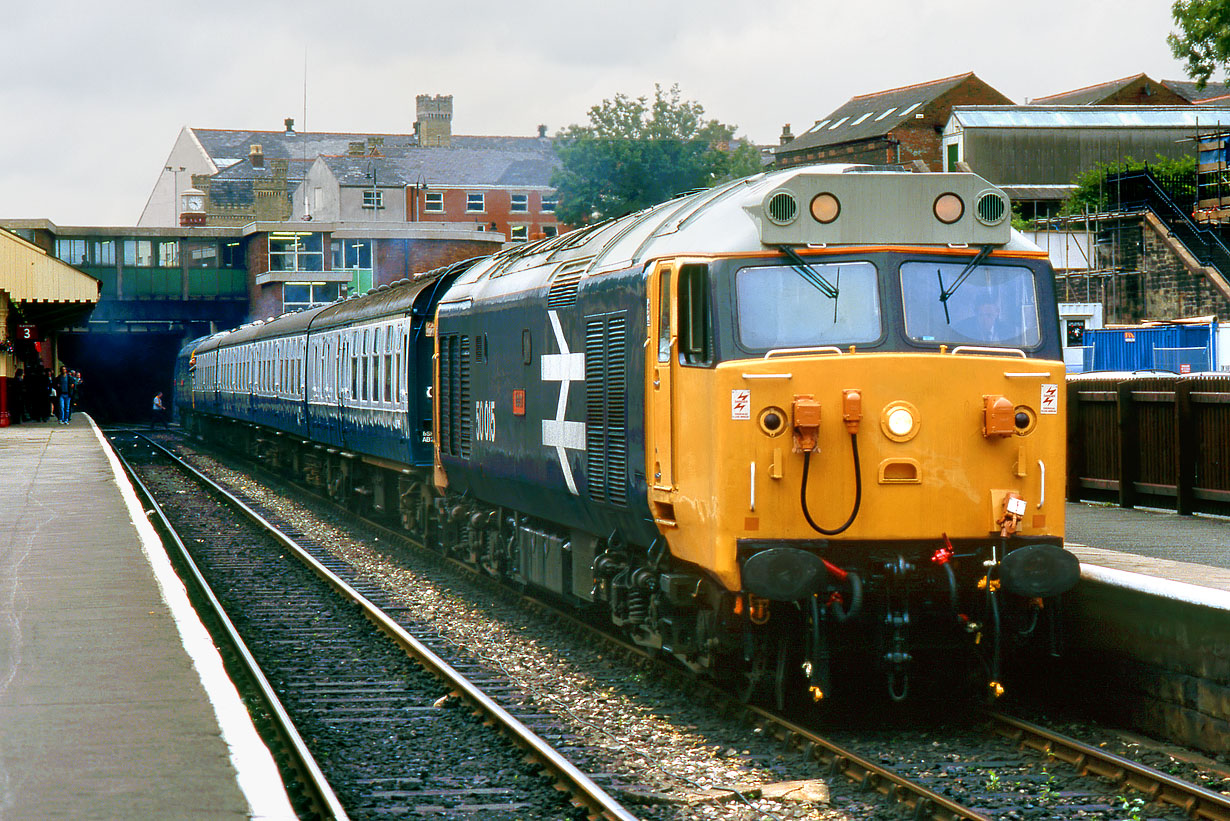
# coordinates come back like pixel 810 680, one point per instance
pixel 789 430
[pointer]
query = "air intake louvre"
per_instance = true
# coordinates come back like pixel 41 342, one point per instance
pixel 455 395
pixel 782 208
pixel 564 287
pixel 991 208
pixel 606 400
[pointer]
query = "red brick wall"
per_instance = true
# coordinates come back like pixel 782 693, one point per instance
pixel 919 138
pixel 497 209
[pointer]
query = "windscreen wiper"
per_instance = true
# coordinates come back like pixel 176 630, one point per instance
pixel 945 293
pixel 809 273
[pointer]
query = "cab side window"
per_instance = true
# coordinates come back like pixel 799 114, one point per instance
pixel 695 318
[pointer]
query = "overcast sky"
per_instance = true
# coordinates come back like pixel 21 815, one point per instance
pixel 93 94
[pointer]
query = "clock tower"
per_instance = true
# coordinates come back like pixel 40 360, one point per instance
pixel 192 208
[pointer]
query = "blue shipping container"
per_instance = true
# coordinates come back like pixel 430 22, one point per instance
pixel 1178 348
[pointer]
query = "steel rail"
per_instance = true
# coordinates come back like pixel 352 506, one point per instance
pixel 1157 786
pixel 318 788
pixel 583 790
pixel 924 803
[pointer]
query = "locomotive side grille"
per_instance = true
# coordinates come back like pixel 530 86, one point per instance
pixel 464 416
pixel 563 291
pixel 455 415
pixel 606 394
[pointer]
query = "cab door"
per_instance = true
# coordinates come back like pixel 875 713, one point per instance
pixel 659 393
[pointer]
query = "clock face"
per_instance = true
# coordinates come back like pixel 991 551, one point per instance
pixel 193 204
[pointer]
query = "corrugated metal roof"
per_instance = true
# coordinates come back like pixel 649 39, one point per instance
pixel 1077 116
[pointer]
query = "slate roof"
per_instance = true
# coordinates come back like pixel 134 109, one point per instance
pixel 228 146
pixel 454 167
pixel 1188 90
pixel 873 115
pixel 1089 95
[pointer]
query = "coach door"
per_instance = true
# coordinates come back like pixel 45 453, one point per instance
pixel 659 392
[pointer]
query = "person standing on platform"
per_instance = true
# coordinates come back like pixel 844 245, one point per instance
pixel 158 413
pixel 78 392
pixel 64 394
pixel 17 397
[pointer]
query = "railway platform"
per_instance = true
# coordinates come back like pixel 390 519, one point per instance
pixel 113 701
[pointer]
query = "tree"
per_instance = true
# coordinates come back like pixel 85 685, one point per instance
pixel 1093 194
pixel 1203 39
pixel 636 152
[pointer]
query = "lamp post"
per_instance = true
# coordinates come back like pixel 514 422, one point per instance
pixel 175 199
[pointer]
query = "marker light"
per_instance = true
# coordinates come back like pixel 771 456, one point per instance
pixel 948 208
pixel 825 208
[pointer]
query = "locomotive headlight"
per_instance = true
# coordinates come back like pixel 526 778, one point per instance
pixel 899 421
pixel 948 208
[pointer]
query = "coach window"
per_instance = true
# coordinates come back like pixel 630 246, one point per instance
pixel 695 346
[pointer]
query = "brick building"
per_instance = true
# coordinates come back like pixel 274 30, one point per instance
pixel 257 176
pixel 894 127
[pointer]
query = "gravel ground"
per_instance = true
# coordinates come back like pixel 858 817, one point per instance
pixel 666 756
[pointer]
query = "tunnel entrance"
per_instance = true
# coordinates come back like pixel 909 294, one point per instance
pixel 121 372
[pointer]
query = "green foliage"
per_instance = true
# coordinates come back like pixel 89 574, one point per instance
pixel 1203 38
pixel 1092 193
pixel 636 152
pixel 1134 807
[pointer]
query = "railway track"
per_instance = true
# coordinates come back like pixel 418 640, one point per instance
pixel 376 728
pixel 965 775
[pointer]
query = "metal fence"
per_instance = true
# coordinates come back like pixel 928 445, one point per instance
pixel 1153 441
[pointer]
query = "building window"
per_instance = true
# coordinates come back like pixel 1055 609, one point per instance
pixel 102 252
pixel 349 254
pixel 550 231
pixel 373 199
pixel 433 202
pixel 138 253
pixel 475 203
pixel 518 233
pixel 293 251
pixel 168 254
pixel 297 296
pixel 200 254
pixel 548 204
pixel 232 255
pixel 71 251
pixel 520 203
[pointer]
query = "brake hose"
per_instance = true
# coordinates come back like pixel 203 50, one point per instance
pixel 858 491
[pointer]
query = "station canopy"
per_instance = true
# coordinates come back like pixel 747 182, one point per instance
pixel 41 289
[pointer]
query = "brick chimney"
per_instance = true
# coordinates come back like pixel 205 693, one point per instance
pixel 786 135
pixel 256 156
